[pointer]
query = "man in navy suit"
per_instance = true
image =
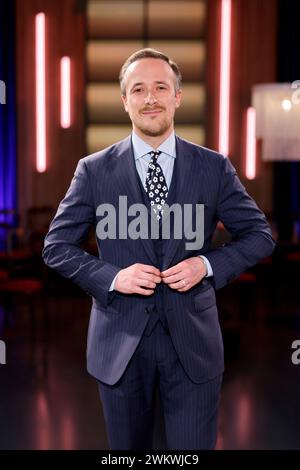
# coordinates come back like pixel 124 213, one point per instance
pixel 154 321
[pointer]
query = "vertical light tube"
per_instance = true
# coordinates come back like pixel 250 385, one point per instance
pixel 65 92
pixel 40 92
pixel 224 95
pixel 250 144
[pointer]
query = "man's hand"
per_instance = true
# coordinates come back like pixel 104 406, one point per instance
pixel 184 275
pixel 137 279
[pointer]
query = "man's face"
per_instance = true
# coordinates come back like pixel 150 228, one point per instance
pixel 150 98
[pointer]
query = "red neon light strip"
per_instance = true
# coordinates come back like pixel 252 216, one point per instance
pixel 224 77
pixel 65 92
pixel 40 92
pixel 250 144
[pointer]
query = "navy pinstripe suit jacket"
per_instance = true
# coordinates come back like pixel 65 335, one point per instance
pixel 117 320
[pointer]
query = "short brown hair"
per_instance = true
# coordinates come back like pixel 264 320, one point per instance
pixel 152 54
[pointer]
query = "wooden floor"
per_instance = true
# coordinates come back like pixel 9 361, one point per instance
pixel 48 400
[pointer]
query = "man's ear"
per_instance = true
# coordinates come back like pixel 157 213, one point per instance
pixel 124 101
pixel 178 96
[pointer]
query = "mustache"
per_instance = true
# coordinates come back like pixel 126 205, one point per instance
pixel 157 108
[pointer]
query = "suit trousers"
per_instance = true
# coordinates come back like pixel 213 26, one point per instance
pixel 190 409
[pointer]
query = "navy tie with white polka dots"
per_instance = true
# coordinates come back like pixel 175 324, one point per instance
pixel 155 185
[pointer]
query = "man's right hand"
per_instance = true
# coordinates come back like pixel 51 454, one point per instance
pixel 137 279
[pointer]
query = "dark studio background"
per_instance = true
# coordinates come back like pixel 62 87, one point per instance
pixel 47 399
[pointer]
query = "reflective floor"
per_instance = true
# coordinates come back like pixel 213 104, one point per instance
pixel 48 401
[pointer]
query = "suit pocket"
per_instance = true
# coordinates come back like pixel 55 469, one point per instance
pixel 110 308
pixel 204 299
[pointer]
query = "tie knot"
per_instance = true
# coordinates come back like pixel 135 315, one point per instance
pixel 155 154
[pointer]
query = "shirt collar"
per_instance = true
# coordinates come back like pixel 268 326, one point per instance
pixel 141 148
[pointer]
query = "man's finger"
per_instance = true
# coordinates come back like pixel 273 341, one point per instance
pixel 146 268
pixel 149 277
pixel 145 283
pixel 173 278
pixel 177 285
pixel 140 290
pixel 169 272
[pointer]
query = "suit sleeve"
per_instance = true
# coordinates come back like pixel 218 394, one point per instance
pixel 68 230
pixel 251 238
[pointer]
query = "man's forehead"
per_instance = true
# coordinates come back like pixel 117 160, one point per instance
pixel 149 66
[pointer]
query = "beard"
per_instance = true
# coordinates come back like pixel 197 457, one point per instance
pixel 156 128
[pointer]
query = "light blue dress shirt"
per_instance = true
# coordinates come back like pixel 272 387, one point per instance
pixel 166 160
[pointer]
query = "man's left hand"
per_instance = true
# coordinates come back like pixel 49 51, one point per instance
pixel 184 275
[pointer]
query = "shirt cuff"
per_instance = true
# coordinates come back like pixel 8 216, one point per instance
pixel 112 286
pixel 208 265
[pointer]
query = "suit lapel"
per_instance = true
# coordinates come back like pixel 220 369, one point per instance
pixel 126 178
pixel 185 191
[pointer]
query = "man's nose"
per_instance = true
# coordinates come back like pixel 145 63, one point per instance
pixel 150 98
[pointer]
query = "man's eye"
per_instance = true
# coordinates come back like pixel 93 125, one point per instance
pixel 137 90
pixel 161 87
